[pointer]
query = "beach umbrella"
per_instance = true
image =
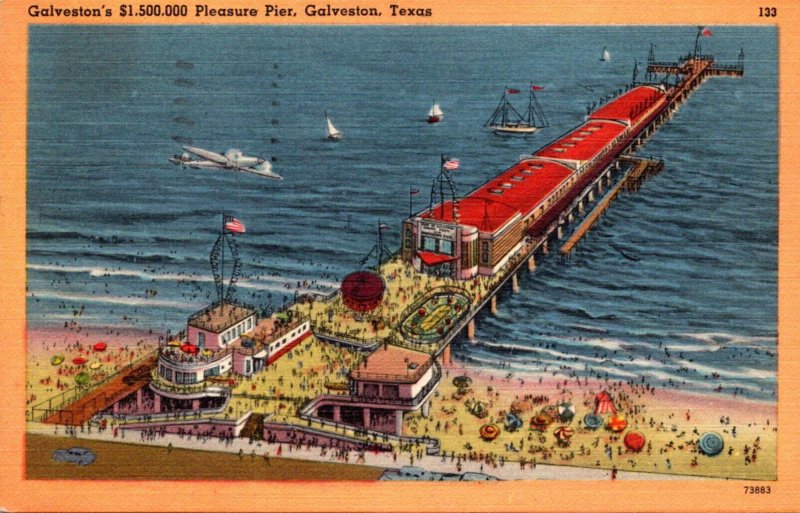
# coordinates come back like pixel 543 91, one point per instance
pixel 100 346
pixel 521 406
pixel 603 403
pixel 592 421
pixel 82 379
pixel 711 443
pixel 566 412
pixel 617 423
pixel 207 352
pixel 57 359
pixel 513 422
pixel 189 348
pixel 95 365
pixel 563 434
pixel 634 441
pixel 462 381
pixel 173 343
pixel 551 411
pixel 489 432
pixel 541 421
pixel 79 360
pixel 476 408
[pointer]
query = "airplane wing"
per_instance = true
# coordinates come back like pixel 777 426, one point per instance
pixel 263 170
pixel 204 164
pixel 209 155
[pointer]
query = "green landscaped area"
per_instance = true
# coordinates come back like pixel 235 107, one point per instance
pixel 435 317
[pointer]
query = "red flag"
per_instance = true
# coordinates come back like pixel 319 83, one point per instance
pixel 234 225
pixel 536 88
pixel 706 32
pixel 414 192
pixel 451 165
pixel 512 91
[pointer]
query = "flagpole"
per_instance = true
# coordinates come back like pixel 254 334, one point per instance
pixel 410 201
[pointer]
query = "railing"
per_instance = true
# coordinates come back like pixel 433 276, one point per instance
pixel 432 445
pixel 71 395
pixel 157 382
pixel 177 356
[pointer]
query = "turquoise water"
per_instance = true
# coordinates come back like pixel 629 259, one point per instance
pixel 676 284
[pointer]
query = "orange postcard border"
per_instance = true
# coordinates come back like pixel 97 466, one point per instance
pixel 18 494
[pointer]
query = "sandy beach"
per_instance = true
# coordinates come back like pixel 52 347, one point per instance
pixel 670 421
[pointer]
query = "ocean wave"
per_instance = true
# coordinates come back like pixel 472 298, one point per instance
pixel 113 300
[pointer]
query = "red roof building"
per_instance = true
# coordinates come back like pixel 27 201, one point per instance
pixel 478 233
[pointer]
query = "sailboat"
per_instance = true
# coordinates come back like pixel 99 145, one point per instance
pixel 606 56
pixel 331 131
pixel 508 120
pixel 435 114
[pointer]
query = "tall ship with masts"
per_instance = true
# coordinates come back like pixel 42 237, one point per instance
pixel 507 120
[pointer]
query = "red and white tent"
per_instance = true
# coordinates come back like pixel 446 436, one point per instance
pixel 603 404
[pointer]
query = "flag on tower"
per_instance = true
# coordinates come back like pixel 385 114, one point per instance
pixel 383 227
pixel 706 32
pixel 414 191
pixel 536 87
pixel 234 225
pixel 512 91
pixel 451 164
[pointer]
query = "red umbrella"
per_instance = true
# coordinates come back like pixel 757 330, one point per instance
pixel 489 432
pixel 100 346
pixel 189 348
pixel 634 441
pixel 79 360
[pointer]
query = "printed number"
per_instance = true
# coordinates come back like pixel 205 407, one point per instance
pixel 757 490
pixel 768 12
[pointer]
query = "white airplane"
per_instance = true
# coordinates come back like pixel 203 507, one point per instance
pixel 233 159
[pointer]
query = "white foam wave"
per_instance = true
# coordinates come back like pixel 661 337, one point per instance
pixel 114 300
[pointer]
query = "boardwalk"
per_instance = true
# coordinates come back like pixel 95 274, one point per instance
pixel 97 400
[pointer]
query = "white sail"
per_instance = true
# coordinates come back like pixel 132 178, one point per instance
pixel 331 131
pixel 606 55
pixel 435 111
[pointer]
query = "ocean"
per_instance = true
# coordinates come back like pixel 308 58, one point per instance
pixel 676 286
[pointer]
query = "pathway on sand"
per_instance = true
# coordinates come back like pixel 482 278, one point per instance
pixel 510 471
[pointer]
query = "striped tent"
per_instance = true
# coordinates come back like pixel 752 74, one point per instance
pixel 603 404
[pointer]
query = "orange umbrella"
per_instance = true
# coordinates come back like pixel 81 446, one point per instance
pixel 541 422
pixel 489 432
pixel 617 422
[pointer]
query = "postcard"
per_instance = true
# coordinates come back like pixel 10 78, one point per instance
pixel 279 257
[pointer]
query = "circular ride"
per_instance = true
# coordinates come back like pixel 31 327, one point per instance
pixel 436 315
pixel 362 291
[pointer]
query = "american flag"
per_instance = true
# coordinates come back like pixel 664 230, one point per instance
pixel 451 165
pixel 234 225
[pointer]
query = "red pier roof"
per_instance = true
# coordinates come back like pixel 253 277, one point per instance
pixel 584 143
pixel 517 190
pixel 631 106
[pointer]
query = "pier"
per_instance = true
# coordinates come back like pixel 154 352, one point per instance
pixel 631 181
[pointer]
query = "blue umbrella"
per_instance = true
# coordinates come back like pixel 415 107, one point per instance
pixel 592 421
pixel 711 443
pixel 513 422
